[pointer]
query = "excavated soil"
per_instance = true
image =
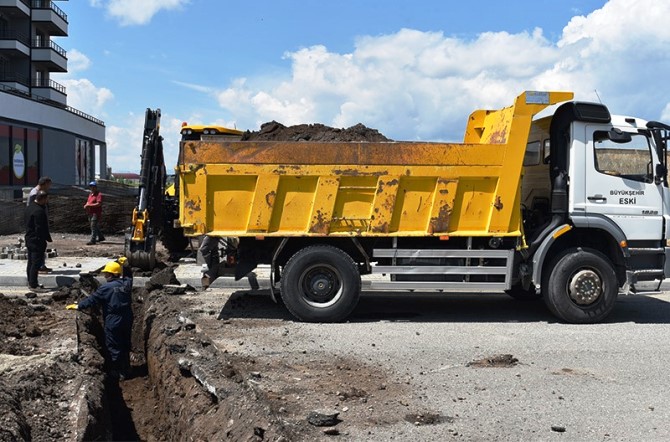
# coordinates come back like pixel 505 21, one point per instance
pixel 274 131
pixel 49 377
pixel 183 385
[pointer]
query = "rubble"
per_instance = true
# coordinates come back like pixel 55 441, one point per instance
pixel 20 251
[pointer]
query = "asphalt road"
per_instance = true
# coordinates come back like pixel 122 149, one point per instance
pixel 603 382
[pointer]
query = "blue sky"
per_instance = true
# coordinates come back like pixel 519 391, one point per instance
pixel 412 70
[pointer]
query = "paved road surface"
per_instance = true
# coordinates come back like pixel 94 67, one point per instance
pixel 597 382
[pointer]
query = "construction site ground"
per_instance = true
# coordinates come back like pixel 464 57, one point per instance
pixel 229 364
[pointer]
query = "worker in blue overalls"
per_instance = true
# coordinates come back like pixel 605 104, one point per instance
pixel 115 299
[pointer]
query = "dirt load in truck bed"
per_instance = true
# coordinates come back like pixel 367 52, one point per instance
pixel 274 131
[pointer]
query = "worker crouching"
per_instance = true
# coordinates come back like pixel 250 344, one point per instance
pixel 115 299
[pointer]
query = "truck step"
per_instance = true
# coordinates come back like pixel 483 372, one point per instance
pixel 649 273
pixel 646 250
pixel 645 292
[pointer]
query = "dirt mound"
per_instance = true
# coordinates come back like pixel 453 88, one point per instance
pixel 50 376
pixel 274 131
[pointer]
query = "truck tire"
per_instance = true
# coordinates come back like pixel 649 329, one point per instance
pixel 581 287
pixel 174 240
pixel 320 284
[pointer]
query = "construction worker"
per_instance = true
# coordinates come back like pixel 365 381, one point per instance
pixel 43 184
pixel 209 252
pixel 115 299
pixel 93 209
pixel 37 236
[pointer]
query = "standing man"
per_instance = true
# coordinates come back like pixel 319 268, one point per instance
pixel 209 251
pixel 43 184
pixel 93 209
pixel 37 236
pixel 115 299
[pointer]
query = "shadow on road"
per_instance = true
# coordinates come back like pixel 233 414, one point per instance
pixel 439 307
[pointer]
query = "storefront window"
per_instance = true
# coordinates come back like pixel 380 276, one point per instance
pixel 81 162
pixel 18 152
pixel 32 156
pixel 5 157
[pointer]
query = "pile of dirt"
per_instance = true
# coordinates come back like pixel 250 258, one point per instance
pixel 274 131
pixel 51 383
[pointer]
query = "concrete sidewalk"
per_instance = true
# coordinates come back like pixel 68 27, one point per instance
pixel 66 270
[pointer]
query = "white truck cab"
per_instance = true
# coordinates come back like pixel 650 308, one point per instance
pixel 603 180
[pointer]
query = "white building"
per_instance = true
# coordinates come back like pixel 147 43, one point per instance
pixel 39 133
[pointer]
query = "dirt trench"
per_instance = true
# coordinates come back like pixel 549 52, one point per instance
pixel 54 383
pixel 183 388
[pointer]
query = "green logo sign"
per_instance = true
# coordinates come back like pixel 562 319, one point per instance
pixel 19 161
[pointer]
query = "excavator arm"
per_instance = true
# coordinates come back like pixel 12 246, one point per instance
pixel 148 216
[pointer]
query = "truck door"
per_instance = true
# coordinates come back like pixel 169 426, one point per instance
pixel 619 183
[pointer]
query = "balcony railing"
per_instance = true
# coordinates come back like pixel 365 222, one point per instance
pixel 47 82
pixel 14 34
pixel 48 4
pixel 14 77
pixel 38 43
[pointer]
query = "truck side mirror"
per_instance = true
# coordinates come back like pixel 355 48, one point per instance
pixel 616 135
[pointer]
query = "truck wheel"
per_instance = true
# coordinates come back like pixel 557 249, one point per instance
pixel 320 284
pixel 174 240
pixel 582 287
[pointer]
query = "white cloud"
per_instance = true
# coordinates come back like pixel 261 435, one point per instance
pixel 124 143
pixel 422 85
pixel 134 12
pixel 665 115
pixel 77 62
pixel 82 94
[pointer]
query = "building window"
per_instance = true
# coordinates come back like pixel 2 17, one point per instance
pixel 18 152
pixel 5 157
pixel 19 156
pixel 81 158
pixel 32 156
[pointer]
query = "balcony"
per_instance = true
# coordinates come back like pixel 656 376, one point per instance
pixel 11 6
pixel 14 43
pixel 15 80
pixel 48 56
pixel 47 89
pixel 50 17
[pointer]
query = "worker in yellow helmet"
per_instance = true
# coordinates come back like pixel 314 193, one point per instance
pixel 115 299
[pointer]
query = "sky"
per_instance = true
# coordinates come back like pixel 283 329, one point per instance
pixel 412 70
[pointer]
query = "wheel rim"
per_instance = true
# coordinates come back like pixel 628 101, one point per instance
pixel 321 285
pixel 585 287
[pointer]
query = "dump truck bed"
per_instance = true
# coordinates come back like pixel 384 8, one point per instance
pixel 278 188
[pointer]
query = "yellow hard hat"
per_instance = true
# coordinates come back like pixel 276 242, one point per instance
pixel 112 267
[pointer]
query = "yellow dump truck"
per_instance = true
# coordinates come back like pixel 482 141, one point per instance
pixel 548 197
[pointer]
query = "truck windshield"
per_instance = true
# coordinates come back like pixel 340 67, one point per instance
pixel 629 160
